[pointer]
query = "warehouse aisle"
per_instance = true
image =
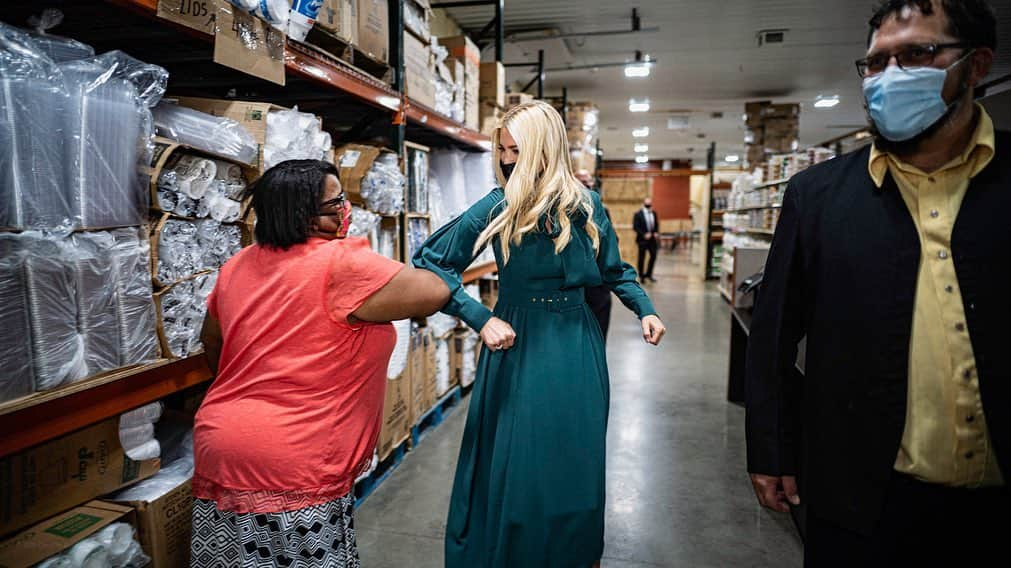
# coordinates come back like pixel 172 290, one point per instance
pixel 678 494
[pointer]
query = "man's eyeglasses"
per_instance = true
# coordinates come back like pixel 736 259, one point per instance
pixel 909 56
pixel 335 203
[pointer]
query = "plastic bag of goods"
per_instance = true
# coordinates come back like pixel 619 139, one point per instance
pixel 214 134
pixel 274 12
pixel 294 135
pixel 363 223
pixel 383 186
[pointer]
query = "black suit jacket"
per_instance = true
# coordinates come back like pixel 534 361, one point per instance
pixel 639 225
pixel 842 271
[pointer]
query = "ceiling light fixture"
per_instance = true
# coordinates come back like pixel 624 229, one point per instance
pixel 640 148
pixel 732 158
pixel 638 68
pixel 642 159
pixel 640 132
pixel 635 105
pixel 826 102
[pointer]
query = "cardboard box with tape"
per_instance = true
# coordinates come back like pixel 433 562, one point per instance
pixel 418 71
pixel 57 534
pixel 464 50
pixel 374 29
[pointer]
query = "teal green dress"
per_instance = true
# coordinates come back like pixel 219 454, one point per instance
pixel 529 487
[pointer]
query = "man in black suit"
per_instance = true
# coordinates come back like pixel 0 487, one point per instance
pixel 647 230
pixel 894 262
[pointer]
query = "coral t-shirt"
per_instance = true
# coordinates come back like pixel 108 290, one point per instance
pixel 294 414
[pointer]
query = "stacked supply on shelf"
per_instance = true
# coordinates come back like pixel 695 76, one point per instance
pixel 294 135
pixel 771 129
pixel 214 134
pixel 492 96
pixel 623 197
pixel 582 123
pixel 274 12
pixel 73 129
pixel 136 432
pixel 376 187
pixel 450 93
pixel 115 546
pixel 465 52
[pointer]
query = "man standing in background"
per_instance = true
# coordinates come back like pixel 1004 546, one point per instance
pixel 893 262
pixel 647 229
pixel 597 297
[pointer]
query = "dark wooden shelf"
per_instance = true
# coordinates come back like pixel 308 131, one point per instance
pixel 34 419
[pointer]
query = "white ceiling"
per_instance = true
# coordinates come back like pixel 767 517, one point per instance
pixel 708 61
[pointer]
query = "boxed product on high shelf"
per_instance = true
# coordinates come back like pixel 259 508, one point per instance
pixel 449 95
pixel 582 123
pixel 281 133
pixel 374 29
pixel 464 50
pixel 772 128
pixel 517 99
pixel 371 175
pixel 419 69
pixel 340 17
pixel 417 16
pixel 492 95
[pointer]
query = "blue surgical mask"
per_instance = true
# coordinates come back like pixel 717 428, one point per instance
pixel 903 103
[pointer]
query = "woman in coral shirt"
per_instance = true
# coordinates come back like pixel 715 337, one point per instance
pixel 297 331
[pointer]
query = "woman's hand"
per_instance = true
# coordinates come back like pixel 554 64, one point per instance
pixel 652 330
pixel 498 334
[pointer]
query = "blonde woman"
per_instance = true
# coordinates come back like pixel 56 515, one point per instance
pixel 529 488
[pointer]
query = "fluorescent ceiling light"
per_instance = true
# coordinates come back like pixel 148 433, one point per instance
pixel 639 148
pixel 638 105
pixel 640 132
pixel 826 102
pixel 732 158
pixel 678 123
pixel 641 159
pixel 635 70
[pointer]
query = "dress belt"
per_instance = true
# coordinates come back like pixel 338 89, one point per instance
pixel 550 300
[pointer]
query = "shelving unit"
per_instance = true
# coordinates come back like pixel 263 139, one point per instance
pixel 756 208
pixel 317 81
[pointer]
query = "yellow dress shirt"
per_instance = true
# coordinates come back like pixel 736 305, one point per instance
pixel 945 440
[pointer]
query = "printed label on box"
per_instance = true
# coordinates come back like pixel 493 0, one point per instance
pixel 71 526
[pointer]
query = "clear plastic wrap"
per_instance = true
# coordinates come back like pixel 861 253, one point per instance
pixel 115 546
pixel 147 414
pixel 416 20
pixel 294 135
pixel 383 186
pixel 18 378
pixel 195 187
pixel 442 365
pixel 469 362
pixel 447 170
pixel 398 360
pixel 55 47
pixel 183 308
pixel 480 175
pixel 363 222
pixel 217 135
pixel 418 231
pixel 189 247
pixel 387 238
pixel 274 12
pixel 417 180
pixel 441 324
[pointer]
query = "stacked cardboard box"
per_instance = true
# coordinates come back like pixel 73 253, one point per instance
pixel 772 128
pixel 492 95
pixel 462 49
pixel 623 198
pixel 340 17
pixel 419 69
pixel 374 29
pixel 582 121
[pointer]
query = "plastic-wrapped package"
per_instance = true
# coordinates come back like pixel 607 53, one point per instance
pixel 415 20
pixel 373 464
pixel 444 94
pixel 418 231
pixel 383 186
pixel 173 473
pixel 188 247
pixel 480 175
pixel 363 222
pixel 115 546
pixel 398 360
pixel 32 104
pixel 147 414
pixel 387 241
pixel 16 360
pixel 183 308
pixel 469 362
pixel 135 313
pixel 274 12
pixel 217 135
pixel 448 169
pixel 443 374
pixel 441 324
pixel 294 135
pixel 95 270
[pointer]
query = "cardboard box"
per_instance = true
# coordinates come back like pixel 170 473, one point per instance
pixel 396 425
pixel 422 388
pixel 431 366
pixel 516 99
pixel 251 115
pixel 61 474
pixel 423 8
pixel 623 212
pixel 461 48
pixel 418 71
pixel 164 527
pixel 374 29
pixel 55 535
pixel 491 116
pixel 354 161
pixel 340 17
pixel 493 82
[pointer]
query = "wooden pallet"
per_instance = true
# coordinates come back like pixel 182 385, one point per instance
pixel 383 471
pixel 436 416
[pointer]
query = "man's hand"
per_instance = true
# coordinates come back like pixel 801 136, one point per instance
pixel 776 493
pixel 498 334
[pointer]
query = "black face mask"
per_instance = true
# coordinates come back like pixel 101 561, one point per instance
pixel 648 206
pixel 507 169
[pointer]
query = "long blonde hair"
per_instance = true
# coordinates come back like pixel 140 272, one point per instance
pixel 541 183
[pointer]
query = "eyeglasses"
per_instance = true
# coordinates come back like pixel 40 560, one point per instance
pixel 908 56
pixel 337 202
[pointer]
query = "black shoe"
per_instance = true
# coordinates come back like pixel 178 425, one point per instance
pixel 651 279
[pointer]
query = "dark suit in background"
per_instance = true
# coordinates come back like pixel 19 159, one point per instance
pixel 642 225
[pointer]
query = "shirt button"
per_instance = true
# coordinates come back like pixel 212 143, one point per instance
pixel 935 213
pixel 970 419
pixel 943 255
pixel 960 327
pixel 949 289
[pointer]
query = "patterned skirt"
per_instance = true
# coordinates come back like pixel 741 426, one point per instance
pixel 322 536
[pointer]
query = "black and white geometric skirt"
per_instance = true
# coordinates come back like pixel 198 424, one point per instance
pixel 322 536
